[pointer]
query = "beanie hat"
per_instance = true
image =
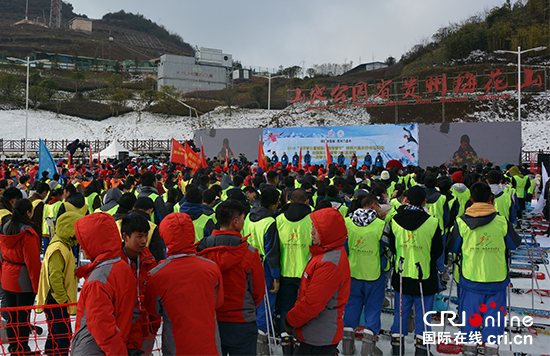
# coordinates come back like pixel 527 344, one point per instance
pixel 457 176
pixel 416 195
pixel 218 169
pixel 385 175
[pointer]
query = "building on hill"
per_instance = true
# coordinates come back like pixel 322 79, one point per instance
pixel 365 67
pixel 81 24
pixel 208 70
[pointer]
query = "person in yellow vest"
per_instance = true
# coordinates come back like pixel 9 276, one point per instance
pixel 145 207
pixel 192 206
pixel 415 241
pixel 294 226
pixel 483 238
pixel 37 199
pixel 503 200
pixel 58 285
pixel 436 204
pixel 521 184
pixel 73 201
pixel 92 195
pixel 111 202
pixel 50 214
pixel 148 190
pixel 367 237
pixel 460 191
pixel 261 227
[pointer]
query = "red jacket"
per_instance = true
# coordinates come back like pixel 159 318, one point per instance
pixel 142 325
pixel 243 274
pixel 325 285
pixel 22 249
pixel 185 290
pixel 106 303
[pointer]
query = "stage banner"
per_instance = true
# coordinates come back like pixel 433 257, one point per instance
pixel 398 142
pixel 470 143
pixel 236 141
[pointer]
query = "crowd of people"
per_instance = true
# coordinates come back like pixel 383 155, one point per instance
pixel 229 257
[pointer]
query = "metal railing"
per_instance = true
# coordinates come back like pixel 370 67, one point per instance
pixel 60 146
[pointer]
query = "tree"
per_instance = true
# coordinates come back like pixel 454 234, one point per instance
pixel 292 72
pixel 78 78
pixel 50 87
pixel 390 61
pixel 149 83
pixel 166 98
pixel 117 66
pixel 117 102
pixel 37 95
pixel 9 86
pixel 149 96
pixel 115 81
pixel 34 79
pixel 257 93
pixel 310 72
pixel 227 95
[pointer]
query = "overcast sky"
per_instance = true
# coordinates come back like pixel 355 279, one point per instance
pixel 272 33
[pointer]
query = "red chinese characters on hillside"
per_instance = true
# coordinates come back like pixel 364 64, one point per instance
pixel 464 83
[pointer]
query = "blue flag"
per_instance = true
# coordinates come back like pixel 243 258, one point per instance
pixel 45 160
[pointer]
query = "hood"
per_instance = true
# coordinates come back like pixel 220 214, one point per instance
pixel 191 209
pixel 225 256
pixel 257 214
pixel 363 217
pixel 9 241
pixel 410 219
pixel 111 199
pixel 76 199
pixel 92 229
pixel 178 233
pixel 226 181
pixel 149 190
pixel 64 228
pixel 496 189
pixel 432 196
pixel 331 227
pixel 297 211
pixel 477 210
pixel 459 187
pixel 514 171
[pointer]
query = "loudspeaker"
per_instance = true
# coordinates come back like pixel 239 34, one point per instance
pixel 122 155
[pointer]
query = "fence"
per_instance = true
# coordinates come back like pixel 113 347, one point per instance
pixel 20 319
pixel 60 146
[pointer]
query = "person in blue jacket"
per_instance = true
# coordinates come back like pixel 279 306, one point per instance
pixel 307 158
pixel 284 159
pixel 295 159
pixel 368 160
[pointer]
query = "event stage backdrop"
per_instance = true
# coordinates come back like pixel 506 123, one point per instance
pixel 423 145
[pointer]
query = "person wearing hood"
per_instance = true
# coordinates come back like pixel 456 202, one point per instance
pixel 74 201
pixel 294 227
pixel 483 238
pixel 243 280
pixel 436 204
pixel 108 296
pixel 317 317
pixel 199 290
pixel 413 230
pixel 503 200
pixel 111 202
pixel 192 206
pixel 148 183
pixel 521 184
pixel 367 237
pixel 134 230
pixel 460 191
pixel 337 203
pixel 20 250
pixel 261 227
pixel 58 285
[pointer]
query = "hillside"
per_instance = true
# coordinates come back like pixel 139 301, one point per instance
pixel 135 37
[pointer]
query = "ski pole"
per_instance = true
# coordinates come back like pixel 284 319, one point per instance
pixel 533 279
pixel 267 307
pixel 422 300
pixel 400 270
pixel 534 238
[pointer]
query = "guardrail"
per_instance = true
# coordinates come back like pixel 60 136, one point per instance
pixel 60 146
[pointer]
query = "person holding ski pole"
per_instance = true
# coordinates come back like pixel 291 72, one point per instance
pixel 482 237
pixel 415 238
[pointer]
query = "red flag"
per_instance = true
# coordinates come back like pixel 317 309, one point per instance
pixel 99 159
pixel 300 160
pixel 69 159
pixel 203 157
pixel 91 158
pixel 261 156
pixel 193 158
pixel 226 159
pixel 178 153
pixel 329 159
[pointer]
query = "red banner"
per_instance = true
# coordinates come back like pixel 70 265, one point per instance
pixel 203 157
pixel 193 158
pixel 329 159
pixel 178 154
pixel 300 160
pixel 261 156
pixel 91 158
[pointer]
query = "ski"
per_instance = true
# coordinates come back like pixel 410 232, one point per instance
pixel 534 253
pixel 524 266
pixel 543 292
pixel 517 274
pixel 532 312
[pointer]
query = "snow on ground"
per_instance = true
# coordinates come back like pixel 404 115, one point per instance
pixel 48 125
